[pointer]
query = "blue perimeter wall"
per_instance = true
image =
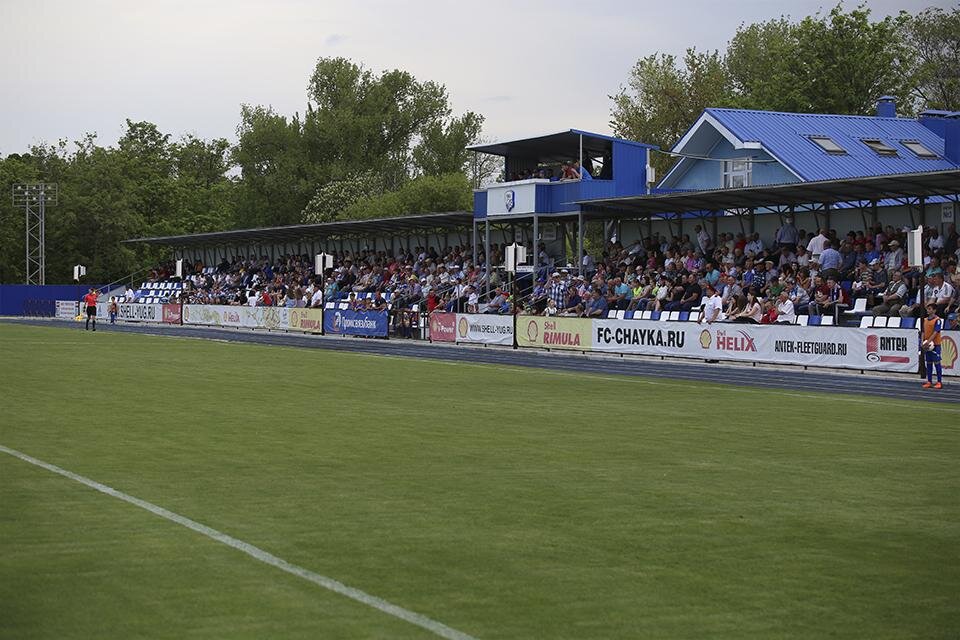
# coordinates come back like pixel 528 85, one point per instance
pixel 12 296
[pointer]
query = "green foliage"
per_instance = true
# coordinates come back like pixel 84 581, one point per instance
pixel 146 185
pixel 330 200
pixel 425 194
pixel 934 37
pixel 841 62
pixel 662 98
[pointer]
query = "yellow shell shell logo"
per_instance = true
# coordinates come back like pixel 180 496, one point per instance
pixel 705 339
pixel 948 352
pixel 294 318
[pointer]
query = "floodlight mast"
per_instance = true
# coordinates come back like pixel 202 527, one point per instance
pixel 34 198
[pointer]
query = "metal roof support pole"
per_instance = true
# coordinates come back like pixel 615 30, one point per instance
pixel 536 237
pixel 474 256
pixel 923 211
pixel 580 235
pixel 826 216
pixel 753 220
pixel 714 229
pixel 486 257
pixel 874 216
pixel 580 160
pixel 649 226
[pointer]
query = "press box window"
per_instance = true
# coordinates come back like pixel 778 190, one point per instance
pixel 880 147
pixel 827 144
pixel 918 149
pixel 736 173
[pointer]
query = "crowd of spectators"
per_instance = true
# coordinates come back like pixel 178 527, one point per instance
pixel 742 277
pixel 796 272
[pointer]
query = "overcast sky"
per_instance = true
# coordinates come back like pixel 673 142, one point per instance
pixel 70 67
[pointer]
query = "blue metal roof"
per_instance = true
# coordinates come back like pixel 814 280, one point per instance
pixel 786 137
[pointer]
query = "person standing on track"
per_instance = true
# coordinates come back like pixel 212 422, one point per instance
pixel 932 325
pixel 90 301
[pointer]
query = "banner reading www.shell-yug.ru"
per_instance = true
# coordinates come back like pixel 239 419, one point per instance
pixel 554 333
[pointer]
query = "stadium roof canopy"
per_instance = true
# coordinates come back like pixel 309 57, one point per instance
pixel 794 194
pixel 398 225
pixel 556 147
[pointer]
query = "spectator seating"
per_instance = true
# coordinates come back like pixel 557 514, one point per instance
pixel 157 292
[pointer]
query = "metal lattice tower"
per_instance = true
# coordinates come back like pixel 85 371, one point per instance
pixel 34 199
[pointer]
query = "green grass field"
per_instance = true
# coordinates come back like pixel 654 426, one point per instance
pixel 505 503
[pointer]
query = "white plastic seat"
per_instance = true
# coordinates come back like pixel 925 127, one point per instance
pixel 620 314
pixel 826 321
pixel 859 306
pixel 881 322
pixel 803 320
pixel 866 322
pixel 645 315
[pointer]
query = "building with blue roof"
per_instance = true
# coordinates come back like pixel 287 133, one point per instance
pixel 732 148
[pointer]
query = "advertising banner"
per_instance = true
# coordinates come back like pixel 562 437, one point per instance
pixel 844 347
pixel 554 333
pixel 133 312
pixel 355 323
pixel 949 341
pixel 484 328
pixel 172 314
pixel 309 320
pixel 443 327
pixel 67 309
pixel 230 316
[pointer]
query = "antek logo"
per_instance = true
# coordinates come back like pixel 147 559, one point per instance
pixel 877 346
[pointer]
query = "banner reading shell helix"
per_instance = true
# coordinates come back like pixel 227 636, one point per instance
pixel 309 320
pixel 484 328
pixel 443 327
pixel 554 333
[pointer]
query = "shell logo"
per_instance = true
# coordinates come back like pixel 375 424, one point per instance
pixel 463 327
pixel 294 318
pixel 705 339
pixel 948 352
pixel 533 331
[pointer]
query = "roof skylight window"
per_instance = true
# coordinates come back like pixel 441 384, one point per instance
pixel 880 147
pixel 918 149
pixel 827 144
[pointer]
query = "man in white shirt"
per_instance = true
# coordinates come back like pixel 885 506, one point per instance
pixel 755 246
pixel 785 310
pixel 818 243
pixel 712 306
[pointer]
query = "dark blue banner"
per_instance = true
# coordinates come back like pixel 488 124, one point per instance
pixel 355 323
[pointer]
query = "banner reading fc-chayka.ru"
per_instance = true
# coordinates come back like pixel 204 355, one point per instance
pixel 839 347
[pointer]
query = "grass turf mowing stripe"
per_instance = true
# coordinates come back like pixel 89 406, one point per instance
pixel 257 553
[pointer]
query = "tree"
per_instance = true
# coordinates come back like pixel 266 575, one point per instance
pixel 662 99
pixel 275 181
pixel 934 37
pixel 425 194
pixel 443 145
pixel 331 199
pixel 836 63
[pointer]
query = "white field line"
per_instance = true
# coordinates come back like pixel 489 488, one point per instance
pixel 257 553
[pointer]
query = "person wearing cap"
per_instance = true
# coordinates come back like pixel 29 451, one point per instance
pixel 893 258
pixel 556 289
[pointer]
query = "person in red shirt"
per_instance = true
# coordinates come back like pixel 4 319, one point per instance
pixel 90 301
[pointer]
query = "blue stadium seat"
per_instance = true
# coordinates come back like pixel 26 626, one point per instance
pixel 814 321
pixel 908 323
pixel 629 315
pixel 654 315
pixel 684 316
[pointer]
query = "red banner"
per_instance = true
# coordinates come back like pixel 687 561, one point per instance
pixel 443 327
pixel 171 313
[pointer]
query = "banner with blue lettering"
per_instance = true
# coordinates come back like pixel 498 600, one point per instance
pixel 355 323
